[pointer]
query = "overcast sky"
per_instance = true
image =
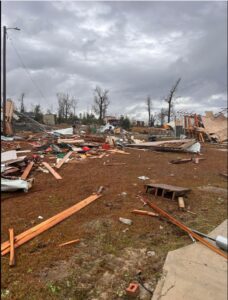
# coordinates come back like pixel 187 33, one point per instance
pixel 133 49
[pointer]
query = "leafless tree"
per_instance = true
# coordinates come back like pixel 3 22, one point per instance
pixel 149 107
pixel 65 105
pixel 74 103
pixel 161 116
pixel 21 101
pixel 170 98
pixel 101 102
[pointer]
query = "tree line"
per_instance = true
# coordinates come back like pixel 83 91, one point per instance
pixel 67 107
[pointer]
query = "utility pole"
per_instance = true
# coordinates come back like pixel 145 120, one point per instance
pixel 4 77
pixel 4 80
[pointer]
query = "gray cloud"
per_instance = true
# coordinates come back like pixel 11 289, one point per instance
pixel 134 49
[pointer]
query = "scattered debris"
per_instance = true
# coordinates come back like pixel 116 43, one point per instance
pixel 125 221
pixel 133 289
pixel 186 229
pixel 143 178
pixel 38 229
pixel 11 185
pixel 69 243
pixel 150 253
pixel 165 190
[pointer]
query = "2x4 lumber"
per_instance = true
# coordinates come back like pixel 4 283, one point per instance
pixel 62 161
pixel 51 170
pixel 27 170
pixel 11 240
pixel 185 228
pixel 181 203
pixel 144 212
pixel 38 229
pixel 69 243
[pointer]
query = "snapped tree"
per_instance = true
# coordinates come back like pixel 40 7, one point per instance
pixel 101 102
pixel 170 98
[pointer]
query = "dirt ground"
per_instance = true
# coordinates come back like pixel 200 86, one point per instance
pixel 110 253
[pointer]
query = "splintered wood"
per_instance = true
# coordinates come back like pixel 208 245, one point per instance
pixel 38 229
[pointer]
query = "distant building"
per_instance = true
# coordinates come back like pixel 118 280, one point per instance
pixel 49 119
pixel 140 123
pixel 111 120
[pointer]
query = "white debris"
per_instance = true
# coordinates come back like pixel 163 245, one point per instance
pixel 125 221
pixel 8 155
pixel 10 185
pixel 40 217
pixel 150 253
pixel 143 177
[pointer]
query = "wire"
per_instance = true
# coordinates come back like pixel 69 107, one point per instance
pixel 25 68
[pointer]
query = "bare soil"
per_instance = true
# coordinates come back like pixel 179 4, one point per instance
pixel 110 253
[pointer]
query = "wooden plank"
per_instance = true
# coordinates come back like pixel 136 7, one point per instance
pixel 185 228
pixel 69 243
pixel 181 203
pixel 36 230
pixel 11 240
pixel 62 161
pixel 144 212
pixel 27 170
pixel 50 169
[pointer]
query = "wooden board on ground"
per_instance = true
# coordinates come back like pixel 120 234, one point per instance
pixel 53 172
pixel 27 170
pixel 38 229
pixel 62 161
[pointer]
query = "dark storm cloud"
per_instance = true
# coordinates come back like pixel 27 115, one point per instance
pixel 131 48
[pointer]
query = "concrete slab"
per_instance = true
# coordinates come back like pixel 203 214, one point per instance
pixel 194 272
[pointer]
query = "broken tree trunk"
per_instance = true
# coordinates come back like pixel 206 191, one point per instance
pixel 36 230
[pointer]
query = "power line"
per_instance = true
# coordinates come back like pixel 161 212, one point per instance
pixel 25 68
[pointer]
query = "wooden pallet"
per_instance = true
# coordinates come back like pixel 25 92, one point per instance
pixel 165 190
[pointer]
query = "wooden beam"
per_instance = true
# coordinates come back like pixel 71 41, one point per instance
pixel 185 228
pixel 11 240
pixel 69 243
pixel 62 161
pixel 181 203
pixel 27 170
pixel 50 169
pixel 144 212
pixel 38 229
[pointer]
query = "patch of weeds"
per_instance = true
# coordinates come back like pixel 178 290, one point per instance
pixel 54 289
pixel 109 248
pixel 29 270
pixel 80 294
pixel 4 293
